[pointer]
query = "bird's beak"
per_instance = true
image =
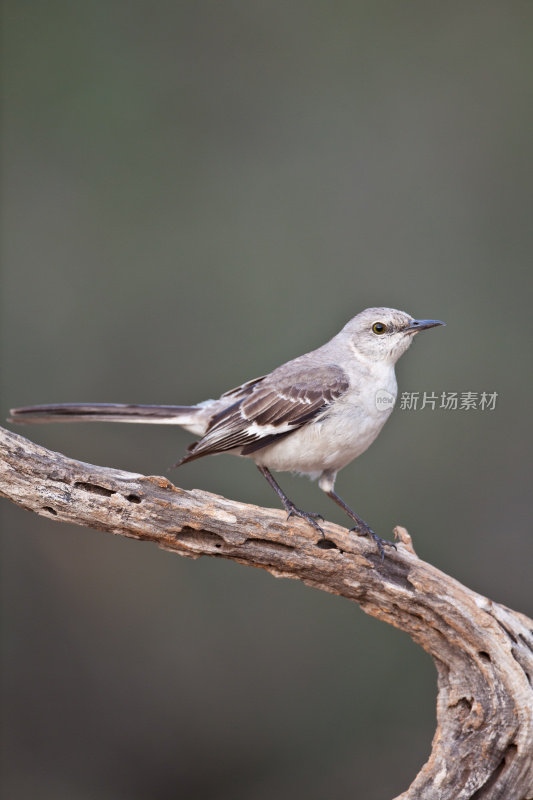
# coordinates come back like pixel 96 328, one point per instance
pixel 422 324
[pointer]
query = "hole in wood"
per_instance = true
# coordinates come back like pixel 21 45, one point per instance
pixel 464 702
pixel 189 535
pixel 267 543
pixel 326 544
pixel 93 488
pixel 50 510
pixel 133 498
pixel 463 708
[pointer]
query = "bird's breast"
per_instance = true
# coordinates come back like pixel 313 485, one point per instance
pixel 332 441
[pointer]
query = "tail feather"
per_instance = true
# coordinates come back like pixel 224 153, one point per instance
pixel 108 412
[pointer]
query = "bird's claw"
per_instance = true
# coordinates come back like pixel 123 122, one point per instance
pixel 364 530
pixel 310 516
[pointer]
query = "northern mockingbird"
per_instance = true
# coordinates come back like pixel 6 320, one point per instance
pixel 313 415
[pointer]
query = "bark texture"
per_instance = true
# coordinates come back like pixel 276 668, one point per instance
pixel 483 651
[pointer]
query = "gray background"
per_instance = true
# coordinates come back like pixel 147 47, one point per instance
pixel 195 192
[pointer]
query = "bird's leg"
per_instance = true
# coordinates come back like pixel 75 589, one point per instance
pixel 360 525
pixel 288 505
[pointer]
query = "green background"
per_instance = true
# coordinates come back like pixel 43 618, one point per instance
pixel 195 192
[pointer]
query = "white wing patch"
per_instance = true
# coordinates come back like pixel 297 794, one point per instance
pixel 259 431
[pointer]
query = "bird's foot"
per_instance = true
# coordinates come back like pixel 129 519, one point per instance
pixel 310 516
pixel 364 530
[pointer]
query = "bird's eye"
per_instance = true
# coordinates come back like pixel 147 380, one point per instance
pixel 379 327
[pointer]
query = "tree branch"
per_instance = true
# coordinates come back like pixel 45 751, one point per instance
pixel 483 652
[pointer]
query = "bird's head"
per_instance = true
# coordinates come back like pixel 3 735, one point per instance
pixel 384 334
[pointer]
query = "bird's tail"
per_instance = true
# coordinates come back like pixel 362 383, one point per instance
pixel 189 417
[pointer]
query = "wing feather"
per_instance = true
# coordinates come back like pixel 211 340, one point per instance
pixel 271 408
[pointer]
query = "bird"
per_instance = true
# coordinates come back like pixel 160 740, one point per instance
pixel 312 415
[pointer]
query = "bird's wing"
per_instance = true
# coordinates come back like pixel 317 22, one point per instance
pixel 272 408
pixel 244 388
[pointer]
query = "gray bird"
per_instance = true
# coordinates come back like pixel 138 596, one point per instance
pixel 313 415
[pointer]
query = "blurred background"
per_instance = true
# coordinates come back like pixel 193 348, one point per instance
pixel 194 193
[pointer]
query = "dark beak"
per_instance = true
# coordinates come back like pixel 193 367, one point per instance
pixel 422 325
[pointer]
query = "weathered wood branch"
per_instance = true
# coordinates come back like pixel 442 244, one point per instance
pixel 483 652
